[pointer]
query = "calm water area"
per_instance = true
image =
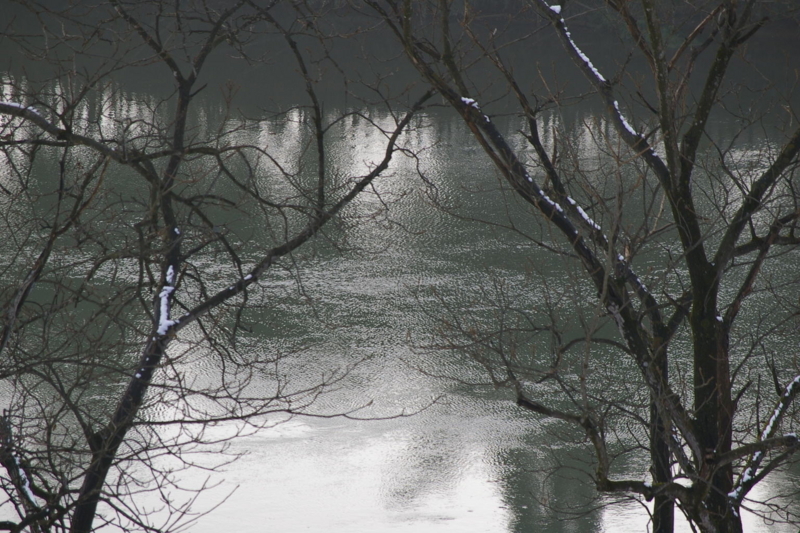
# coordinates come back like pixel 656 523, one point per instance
pixel 429 444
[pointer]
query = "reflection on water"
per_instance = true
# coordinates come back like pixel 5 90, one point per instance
pixel 299 485
pixel 470 460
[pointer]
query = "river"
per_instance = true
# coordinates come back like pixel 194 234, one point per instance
pixel 428 444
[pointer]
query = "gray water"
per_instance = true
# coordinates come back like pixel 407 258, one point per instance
pixel 469 460
pixel 429 444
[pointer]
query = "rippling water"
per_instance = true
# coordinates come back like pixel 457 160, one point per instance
pixel 470 460
pixel 440 449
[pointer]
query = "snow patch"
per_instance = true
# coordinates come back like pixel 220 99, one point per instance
pixel 580 53
pixel 583 214
pixel 22 107
pixel 787 394
pixel 625 122
pixel 470 102
pixel 551 202
pixel 164 323
pixel 25 483
pixel 750 471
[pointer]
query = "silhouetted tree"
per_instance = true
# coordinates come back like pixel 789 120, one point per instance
pixel 686 236
pixel 138 229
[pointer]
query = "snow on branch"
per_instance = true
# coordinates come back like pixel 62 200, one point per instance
pixel 556 10
pixel 628 133
pixel 23 108
pixel 470 102
pixel 749 476
pixel 164 322
pixel 13 465
pixel 32 115
pixel 625 123
pixel 586 218
pixel 599 78
pixel 25 483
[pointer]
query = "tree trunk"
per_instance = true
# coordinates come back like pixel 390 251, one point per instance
pixel 712 404
pixel 663 506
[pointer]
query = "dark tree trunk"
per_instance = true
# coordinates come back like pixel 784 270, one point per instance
pixel 713 404
pixel 663 506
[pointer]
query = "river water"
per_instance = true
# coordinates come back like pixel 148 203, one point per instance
pixel 429 444
pixel 466 459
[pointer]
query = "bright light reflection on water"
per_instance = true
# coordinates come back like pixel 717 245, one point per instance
pixel 345 477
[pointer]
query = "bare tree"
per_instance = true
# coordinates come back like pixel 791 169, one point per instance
pixel 681 236
pixel 139 230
